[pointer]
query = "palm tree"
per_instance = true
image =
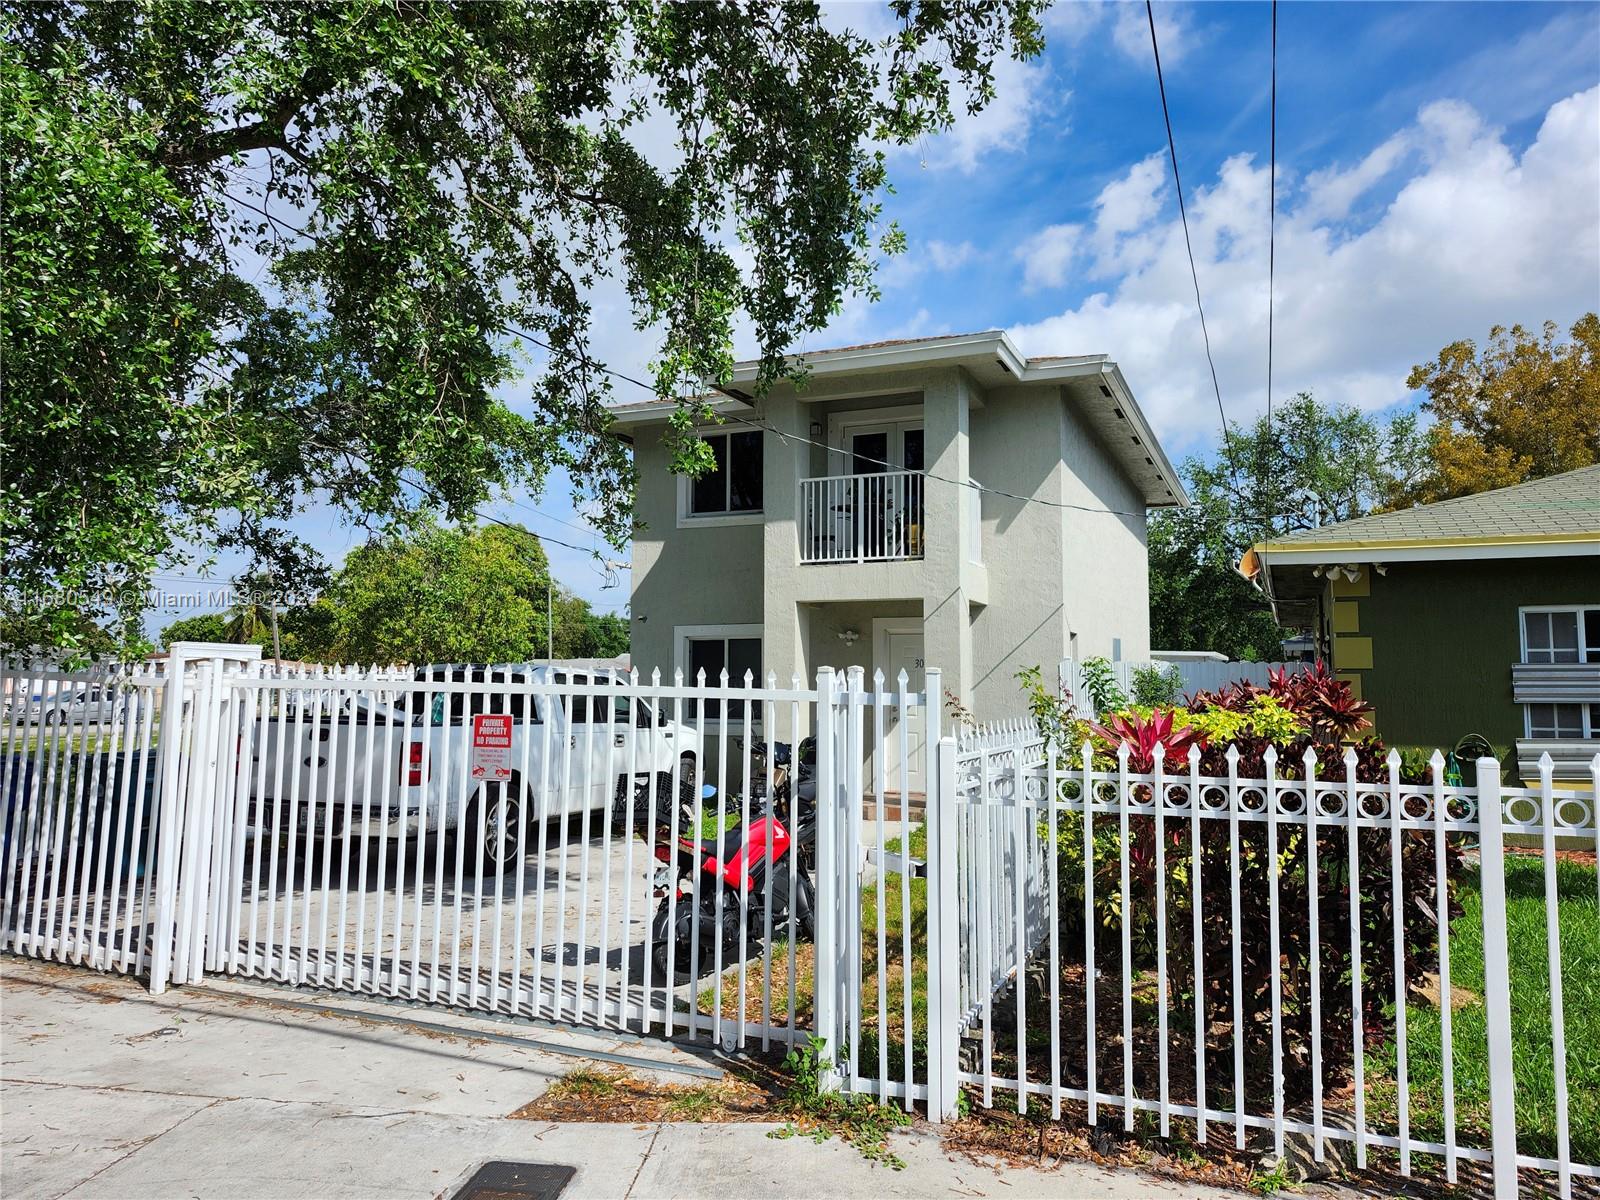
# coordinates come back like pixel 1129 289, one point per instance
pixel 256 610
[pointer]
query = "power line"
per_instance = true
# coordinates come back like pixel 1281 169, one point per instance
pixel 1183 213
pixel 1272 208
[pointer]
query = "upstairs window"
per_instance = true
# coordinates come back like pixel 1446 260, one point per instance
pixel 734 486
pixel 1561 635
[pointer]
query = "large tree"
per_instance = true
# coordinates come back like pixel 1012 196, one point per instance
pixel 448 595
pixel 1311 464
pixel 260 252
pixel 1523 407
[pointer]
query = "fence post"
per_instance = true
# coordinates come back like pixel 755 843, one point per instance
pixel 195 847
pixel 1497 980
pixel 825 981
pixel 944 962
pixel 169 826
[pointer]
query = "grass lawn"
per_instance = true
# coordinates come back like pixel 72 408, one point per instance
pixel 1532 1056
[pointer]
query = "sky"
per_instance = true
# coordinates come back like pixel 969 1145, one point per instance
pixel 1438 173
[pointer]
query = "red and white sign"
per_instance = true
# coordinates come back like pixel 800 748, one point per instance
pixel 491 746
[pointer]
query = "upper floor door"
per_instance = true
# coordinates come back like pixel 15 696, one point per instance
pixel 885 510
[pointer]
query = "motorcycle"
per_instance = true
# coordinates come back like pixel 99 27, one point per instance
pixel 704 884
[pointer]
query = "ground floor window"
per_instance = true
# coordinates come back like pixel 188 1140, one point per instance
pixel 1568 722
pixel 712 651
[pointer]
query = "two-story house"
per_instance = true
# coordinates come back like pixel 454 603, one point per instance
pixel 938 501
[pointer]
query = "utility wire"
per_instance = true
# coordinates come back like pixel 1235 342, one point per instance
pixel 1172 150
pixel 1272 207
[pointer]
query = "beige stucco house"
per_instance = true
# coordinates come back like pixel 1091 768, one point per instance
pixel 841 528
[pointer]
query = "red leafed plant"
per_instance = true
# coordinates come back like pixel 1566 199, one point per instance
pixel 1143 735
pixel 1323 699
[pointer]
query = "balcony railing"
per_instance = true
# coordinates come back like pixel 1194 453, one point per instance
pixel 861 518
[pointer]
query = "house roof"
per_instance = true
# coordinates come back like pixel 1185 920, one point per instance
pixel 1556 515
pixel 1095 381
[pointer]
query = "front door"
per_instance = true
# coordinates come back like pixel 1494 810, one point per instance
pixel 898 647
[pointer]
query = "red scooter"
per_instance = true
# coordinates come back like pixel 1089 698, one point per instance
pixel 691 921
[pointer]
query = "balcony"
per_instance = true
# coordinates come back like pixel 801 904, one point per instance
pixel 862 518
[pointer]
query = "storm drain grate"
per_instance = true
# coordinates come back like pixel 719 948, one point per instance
pixel 517 1181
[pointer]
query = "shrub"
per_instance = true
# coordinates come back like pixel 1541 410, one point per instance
pixel 1100 681
pixel 1290 716
pixel 1156 685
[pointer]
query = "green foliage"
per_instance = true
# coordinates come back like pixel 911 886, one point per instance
pixel 447 595
pixel 1312 464
pixel 1100 681
pixel 1524 407
pixel 858 1119
pixel 1154 684
pixel 205 627
pixel 265 255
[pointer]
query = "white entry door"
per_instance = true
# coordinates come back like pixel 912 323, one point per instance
pixel 897 646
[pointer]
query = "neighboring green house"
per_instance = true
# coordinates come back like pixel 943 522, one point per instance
pixel 1474 615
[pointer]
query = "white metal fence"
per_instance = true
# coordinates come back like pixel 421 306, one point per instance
pixel 1180 901
pixel 1219 945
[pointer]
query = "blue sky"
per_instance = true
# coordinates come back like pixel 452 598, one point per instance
pixel 1438 173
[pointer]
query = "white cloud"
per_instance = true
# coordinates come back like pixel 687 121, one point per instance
pixel 1113 243
pixel 947 257
pixel 1175 32
pixel 1475 235
pixel 1047 255
pixel 1331 192
pixel 1129 27
pixel 1023 93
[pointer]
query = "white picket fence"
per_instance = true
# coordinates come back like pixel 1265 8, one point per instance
pixel 321 828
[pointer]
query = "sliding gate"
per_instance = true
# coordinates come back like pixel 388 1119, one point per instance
pixel 454 837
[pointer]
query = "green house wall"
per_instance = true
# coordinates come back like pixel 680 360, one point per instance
pixel 1444 638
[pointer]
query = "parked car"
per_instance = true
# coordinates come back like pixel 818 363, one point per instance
pixel 92 705
pixel 408 761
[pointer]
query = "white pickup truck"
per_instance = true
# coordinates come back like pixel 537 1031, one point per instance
pixel 404 758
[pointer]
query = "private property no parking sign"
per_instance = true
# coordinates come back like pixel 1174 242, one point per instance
pixel 491 746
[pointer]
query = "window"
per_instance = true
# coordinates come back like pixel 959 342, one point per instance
pixel 713 653
pixel 1561 635
pixel 1567 722
pixel 734 486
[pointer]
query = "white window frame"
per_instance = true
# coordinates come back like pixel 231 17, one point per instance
pixel 688 519
pixel 1522 630
pixel 682 635
pixel 900 417
pixel 1591 728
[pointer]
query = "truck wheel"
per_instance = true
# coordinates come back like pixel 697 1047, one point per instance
pixel 495 820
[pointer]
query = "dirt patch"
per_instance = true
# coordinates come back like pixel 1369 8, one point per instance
pixel 1584 858
pixel 616 1095
pixel 994 1136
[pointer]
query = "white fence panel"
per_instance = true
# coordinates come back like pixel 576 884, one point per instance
pixel 81 777
pixel 1174 987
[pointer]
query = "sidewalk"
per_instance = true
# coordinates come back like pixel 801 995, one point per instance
pixel 107 1091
